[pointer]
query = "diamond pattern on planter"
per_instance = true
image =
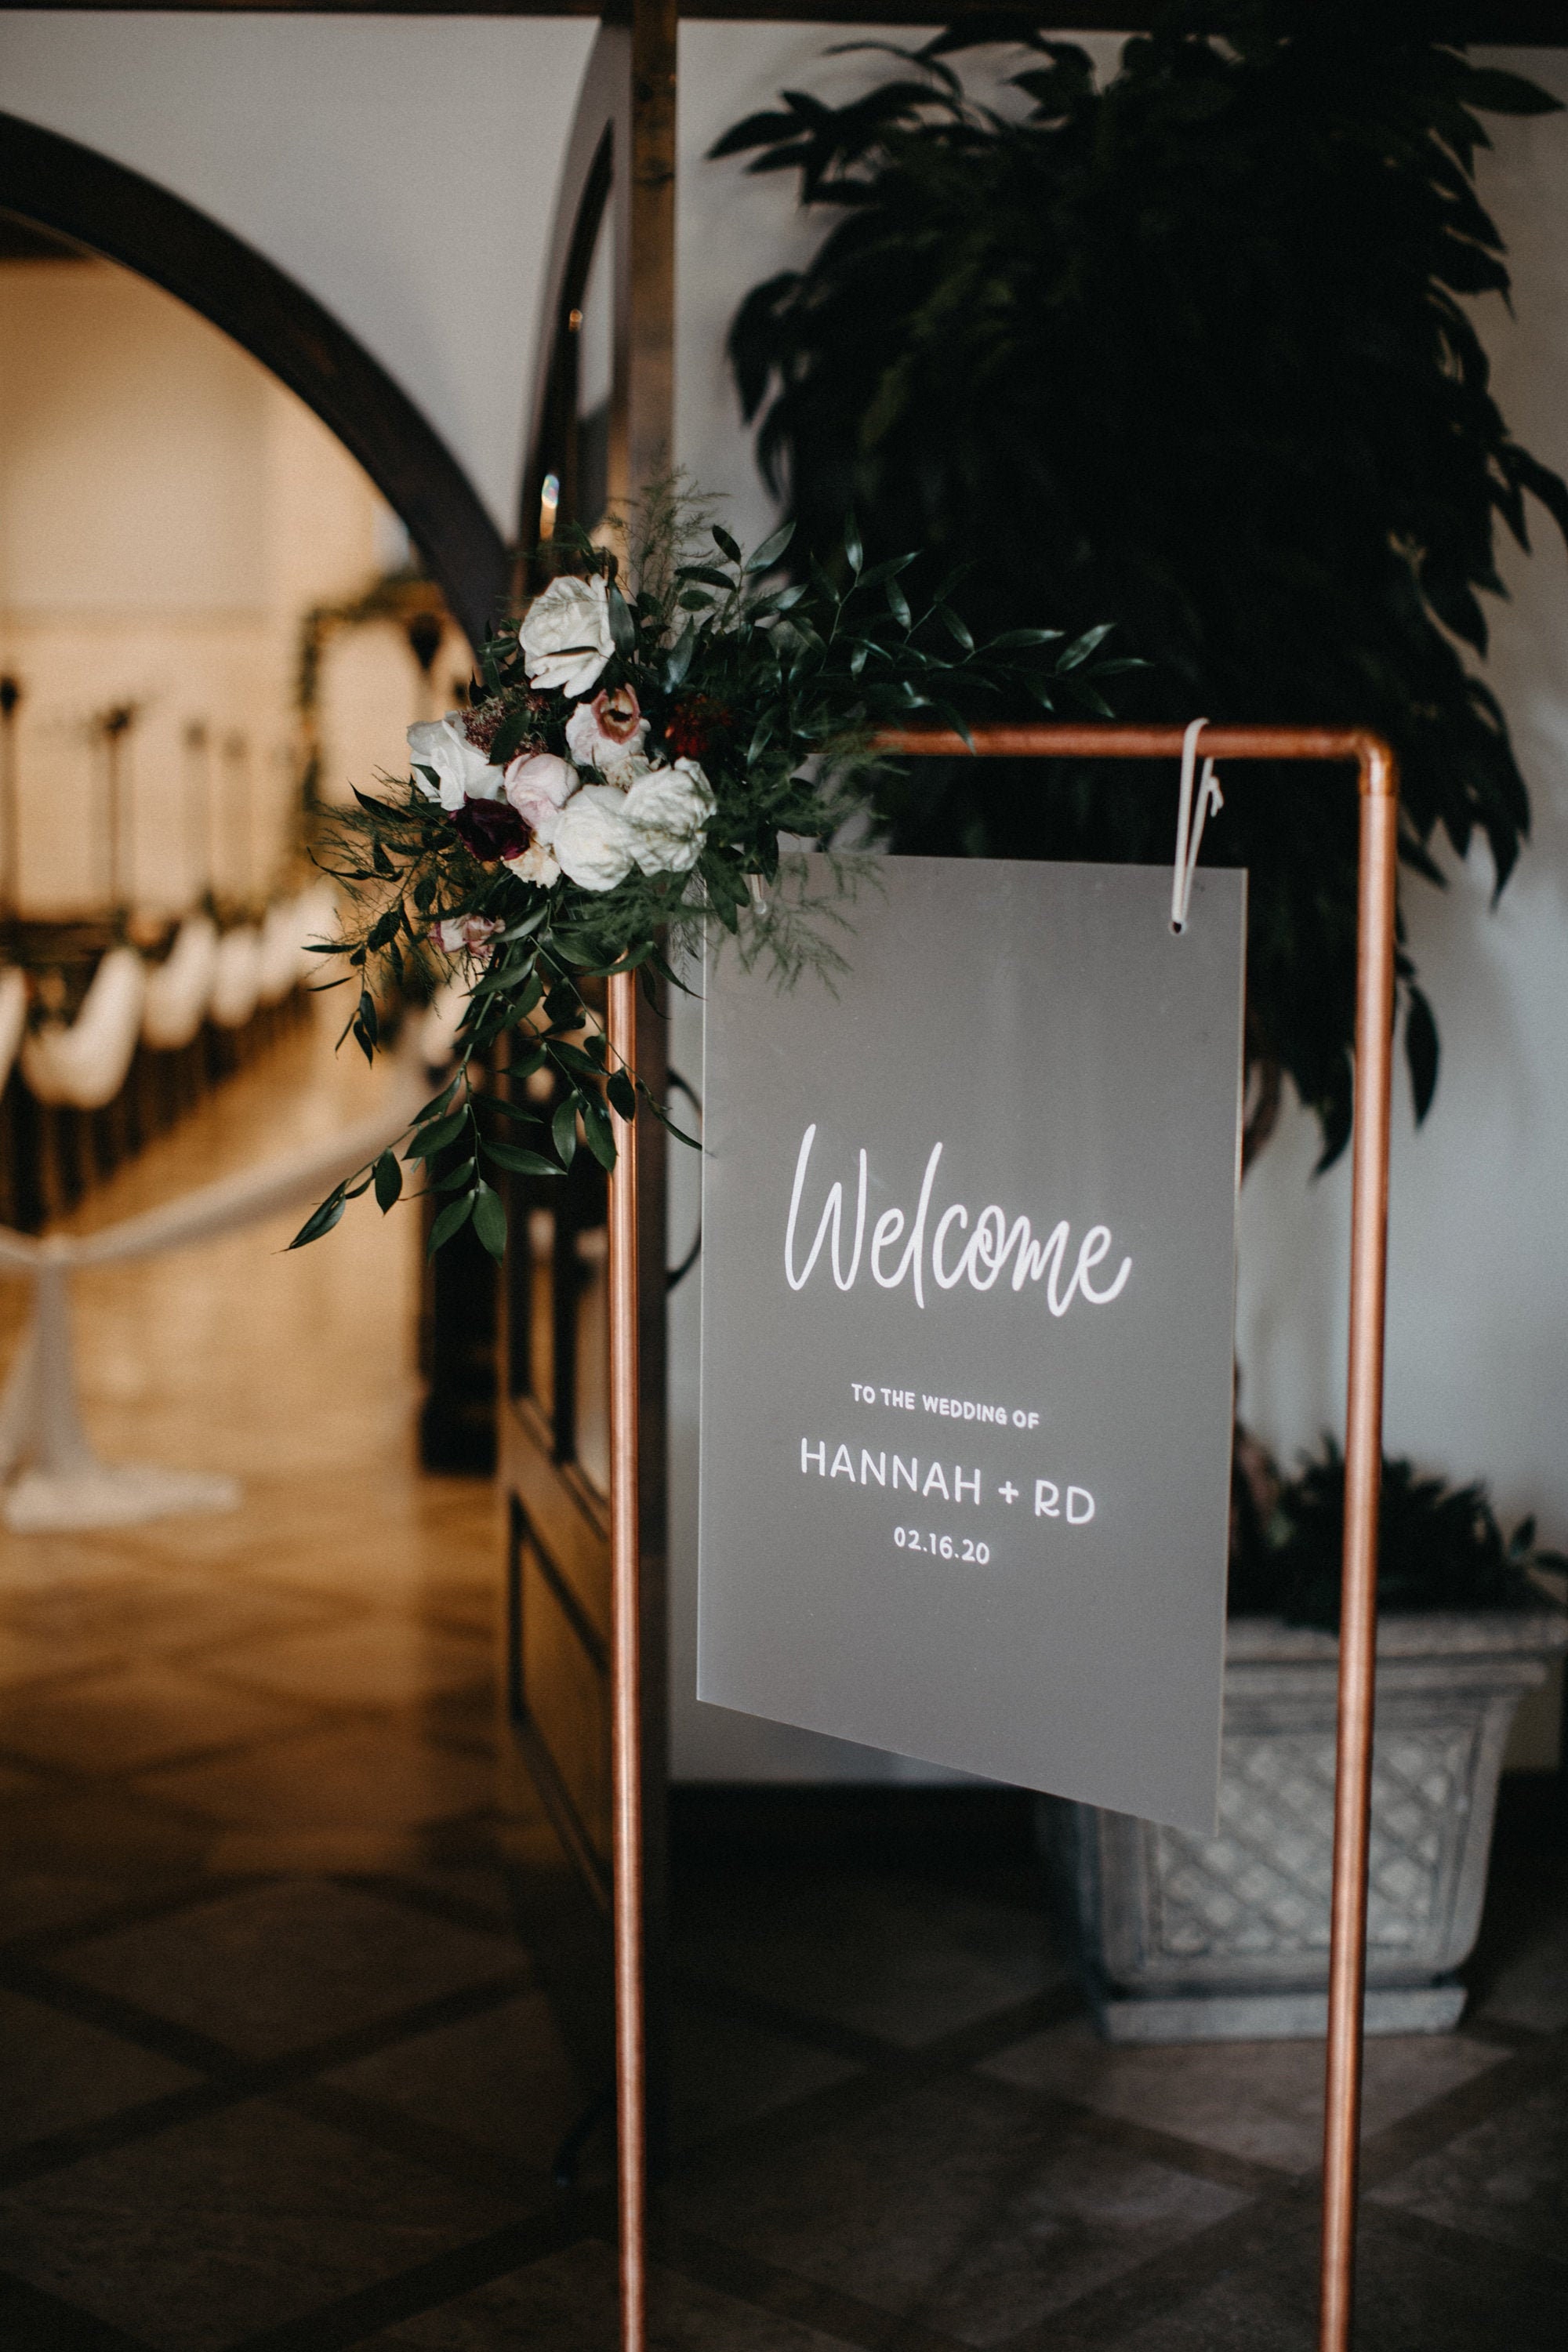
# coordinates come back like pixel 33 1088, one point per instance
pixel 1262 1886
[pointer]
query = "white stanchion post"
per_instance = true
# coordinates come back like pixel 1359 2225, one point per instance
pixel 58 1483
pixel 62 1484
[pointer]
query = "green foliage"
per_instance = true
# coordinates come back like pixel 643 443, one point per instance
pixel 1200 340
pixel 1438 1547
pixel 778 690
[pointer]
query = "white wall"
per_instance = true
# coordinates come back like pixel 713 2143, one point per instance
pixel 1477 1367
pixel 1477 1362
pixel 401 168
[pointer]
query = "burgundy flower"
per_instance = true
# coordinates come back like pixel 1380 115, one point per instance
pixel 491 829
pixel 692 725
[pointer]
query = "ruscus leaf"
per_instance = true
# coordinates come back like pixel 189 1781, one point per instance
pixel 452 1220
pixel 319 1221
pixel 489 1219
pixel 388 1180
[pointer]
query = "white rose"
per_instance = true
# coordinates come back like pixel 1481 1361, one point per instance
pixel 537 864
pixel 539 788
pixel 593 840
pixel 565 635
pixel 608 733
pixel 461 770
pixel 668 810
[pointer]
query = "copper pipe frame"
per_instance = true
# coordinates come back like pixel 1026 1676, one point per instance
pixel 1378 869
pixel 626 1696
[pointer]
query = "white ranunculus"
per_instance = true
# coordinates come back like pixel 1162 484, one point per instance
pixel 539 788
pixel 537 864
pixel 608 733
pixel 593 840
pixel 667 810
pixel 565 635
pixel 461 770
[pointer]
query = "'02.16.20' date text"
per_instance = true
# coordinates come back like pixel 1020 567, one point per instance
pixel 962 1547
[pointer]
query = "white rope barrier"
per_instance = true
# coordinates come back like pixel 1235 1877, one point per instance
pixel 58 1483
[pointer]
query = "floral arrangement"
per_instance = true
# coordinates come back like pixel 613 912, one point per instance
pixel 631 763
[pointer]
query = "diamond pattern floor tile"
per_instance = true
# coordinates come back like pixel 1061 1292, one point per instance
pixel 1263 2100
pixel 61 2073
pixel 1408 2299
pixel 373 1662
pixel 134 1716
pixel 954 2207
pixel 502 2080
pixel 568 2304
pixel 1505 2178
pixel 727 2072
pixel 366 1775
pixel 277 1966
pixel 900 1959
pixel 242 2220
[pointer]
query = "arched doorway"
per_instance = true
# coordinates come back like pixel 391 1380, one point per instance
pixel 72 189
pixel 83 194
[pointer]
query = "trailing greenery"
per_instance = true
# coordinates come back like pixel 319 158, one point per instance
pixel 631 761
pixel 1201 337
pixel 1438 1547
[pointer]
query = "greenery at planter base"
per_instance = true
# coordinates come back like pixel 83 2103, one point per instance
pixel 1439 1546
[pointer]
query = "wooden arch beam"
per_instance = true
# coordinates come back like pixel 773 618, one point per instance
pixel 114 211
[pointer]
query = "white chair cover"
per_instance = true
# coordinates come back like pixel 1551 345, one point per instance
pixel 179 990
pixel 84 1062
pixel 12 1017
pixel 289 923
pixel 237 981
pixel 278 963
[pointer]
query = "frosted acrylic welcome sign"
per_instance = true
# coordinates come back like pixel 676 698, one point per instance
pixel 968 1298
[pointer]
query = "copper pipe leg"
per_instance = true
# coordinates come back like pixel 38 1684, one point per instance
pixel 631 2140
pixel 1358 1609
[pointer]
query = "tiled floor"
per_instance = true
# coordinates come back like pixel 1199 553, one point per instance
pixel 280 2075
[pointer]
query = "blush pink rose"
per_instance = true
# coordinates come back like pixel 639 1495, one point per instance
pixel 539 788
pixel 466 934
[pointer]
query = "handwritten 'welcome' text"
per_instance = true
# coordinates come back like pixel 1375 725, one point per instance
pixel 959 1251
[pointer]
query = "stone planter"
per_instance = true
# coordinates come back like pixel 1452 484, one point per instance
pixel 1190 1938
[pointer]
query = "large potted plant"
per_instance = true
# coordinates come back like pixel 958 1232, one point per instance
pixel 1186 1938
pixel 1196 334
pixel 1199 331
